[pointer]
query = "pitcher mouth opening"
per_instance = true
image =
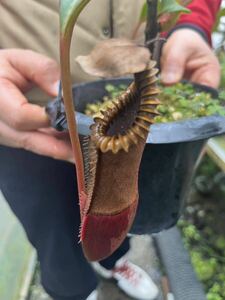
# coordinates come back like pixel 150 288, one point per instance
pixel 127 121
pixel 128 106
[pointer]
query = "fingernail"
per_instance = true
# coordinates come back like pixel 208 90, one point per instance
pixel 171 76
pixel 55 87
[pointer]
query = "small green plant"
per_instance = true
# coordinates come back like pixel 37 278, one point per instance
pixel 93 109
pixel 178 102
pixel 203 231
pixel 181 102
pixel 206 258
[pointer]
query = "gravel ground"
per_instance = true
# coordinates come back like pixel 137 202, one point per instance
pixel 142 253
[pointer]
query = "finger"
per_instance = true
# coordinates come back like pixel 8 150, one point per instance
pixel 37 68
pixel 207 73
pixel 17 112
pixel 206 77
pixel 52 131
pixel 37 142
pixel 7 71
pixel 47 145
pixel 173 64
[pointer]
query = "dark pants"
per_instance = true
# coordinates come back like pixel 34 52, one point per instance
pixel 42 193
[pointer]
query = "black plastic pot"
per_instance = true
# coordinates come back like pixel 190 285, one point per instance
pixel 168 161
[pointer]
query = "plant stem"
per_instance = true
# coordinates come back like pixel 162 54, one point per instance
pixel 69 12
pixel 152 27
pixel 69 108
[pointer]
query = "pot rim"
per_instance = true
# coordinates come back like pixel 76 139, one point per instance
pixel 161 133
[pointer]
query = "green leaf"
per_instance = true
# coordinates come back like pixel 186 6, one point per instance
pixel 171 6
pixel 169 12
pixel 69 12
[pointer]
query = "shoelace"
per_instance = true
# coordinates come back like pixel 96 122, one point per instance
pixel 126 271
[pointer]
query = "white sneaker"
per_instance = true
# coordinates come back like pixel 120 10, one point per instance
pixel 131 279
pixel 93 295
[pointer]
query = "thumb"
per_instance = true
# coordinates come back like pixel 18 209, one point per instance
pixel 172 64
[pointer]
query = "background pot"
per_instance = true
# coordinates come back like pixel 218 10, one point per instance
pixel 168 161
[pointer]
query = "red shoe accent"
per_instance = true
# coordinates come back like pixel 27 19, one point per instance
pixel 102 235
pixel 127 272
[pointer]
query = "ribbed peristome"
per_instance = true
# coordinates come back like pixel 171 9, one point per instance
pixel 143 88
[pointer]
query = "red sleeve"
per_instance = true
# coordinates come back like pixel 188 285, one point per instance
pixel 203 14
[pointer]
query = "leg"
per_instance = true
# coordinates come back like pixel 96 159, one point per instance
pixel 130 278
pixel 42 193
pixel 109 263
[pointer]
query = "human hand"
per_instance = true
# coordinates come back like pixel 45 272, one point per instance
pixel 186 55
pixel 25 125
